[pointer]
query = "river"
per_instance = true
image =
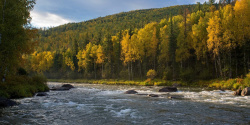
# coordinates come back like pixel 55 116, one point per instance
pixel 91 104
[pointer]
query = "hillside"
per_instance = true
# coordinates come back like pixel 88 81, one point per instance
pixel 187 42
pixel 121 21
pixel 96 29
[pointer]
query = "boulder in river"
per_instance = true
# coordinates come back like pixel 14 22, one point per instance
pixel 6 102
pixel 238 92
pixel 168 89
pixel 130 92
pixel 152 95
pixel 41 94
pixel 68 86
pixel 64 87
pixel 60 88
pixel 246 92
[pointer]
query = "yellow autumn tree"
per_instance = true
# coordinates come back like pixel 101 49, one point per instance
pixel 214 42
pixel 229 38
pixel 84 58
pixel 199 36
pixel 41 61
pixel 100 55
pixel 183 43
pixel 68 59
pixel 149 40
pixel 81 57
pixel 164 46
pixel 242 19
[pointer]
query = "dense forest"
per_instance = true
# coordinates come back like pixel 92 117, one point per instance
pixel 189 42
pixel 16 40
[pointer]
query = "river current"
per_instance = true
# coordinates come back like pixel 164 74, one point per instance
pixel 90 104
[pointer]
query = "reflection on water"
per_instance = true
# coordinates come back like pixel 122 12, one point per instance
pixel 102 104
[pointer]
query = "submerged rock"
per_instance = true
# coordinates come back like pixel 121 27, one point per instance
pixel 168 89
pixel 60 88
pixel 64 87
pixel 152 95
pixel 238 92
pixel 131 92
pixel 246 92
pixel 6 102
pixel 41 94
pixel 68 86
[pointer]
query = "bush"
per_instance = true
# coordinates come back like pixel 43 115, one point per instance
pixel 151 74
pixel 22 71
pixel 233 84
pixel 187 74
pixel 22 86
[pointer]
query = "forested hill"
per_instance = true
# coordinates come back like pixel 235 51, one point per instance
pixel 202 41
pixel 121 21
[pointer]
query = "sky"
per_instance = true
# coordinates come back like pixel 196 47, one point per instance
pixel 51 13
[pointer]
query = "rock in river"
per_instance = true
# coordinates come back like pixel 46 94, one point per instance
pixel 6 102
pixel 130 92
pixel 62 88
pixel 246 92
pixel 168 89
pixel 41 94
pixel 68 86
pixel 152 95
pixel 238 92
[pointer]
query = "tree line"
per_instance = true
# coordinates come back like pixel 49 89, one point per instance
pixel 211 41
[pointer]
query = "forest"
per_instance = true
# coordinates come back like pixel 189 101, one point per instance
pixel 190 42
pixel 16 40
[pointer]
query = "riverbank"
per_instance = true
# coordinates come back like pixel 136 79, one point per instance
pixel 156 82
pixel 230 84
pixel 22 86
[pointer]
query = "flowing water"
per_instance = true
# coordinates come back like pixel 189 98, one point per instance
pixel 90 104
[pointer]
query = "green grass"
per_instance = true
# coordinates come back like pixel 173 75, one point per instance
pixel 22 86
pixel 156 82
pixel 230 84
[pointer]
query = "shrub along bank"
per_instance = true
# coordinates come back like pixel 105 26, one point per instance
pixel 21 86
pixel 232 84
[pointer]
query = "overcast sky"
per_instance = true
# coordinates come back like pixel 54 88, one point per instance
pixel 47 13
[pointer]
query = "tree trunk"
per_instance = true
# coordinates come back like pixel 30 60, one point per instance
pixel 236 65
pixel 132 71
pixel 216 71
pixel 230 67
pixel 245 62
pixel 154 62
pixel 219 64
pixel 3 10
pixel 128 72
pixel 140 69
pixel 102 70
pixel 173 72
pixel 95 69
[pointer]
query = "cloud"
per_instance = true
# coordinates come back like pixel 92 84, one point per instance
pixel 40 19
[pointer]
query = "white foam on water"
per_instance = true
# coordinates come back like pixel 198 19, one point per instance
pixel 120 100
pixel 108 92
pixel 216 96
pixel 122 113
